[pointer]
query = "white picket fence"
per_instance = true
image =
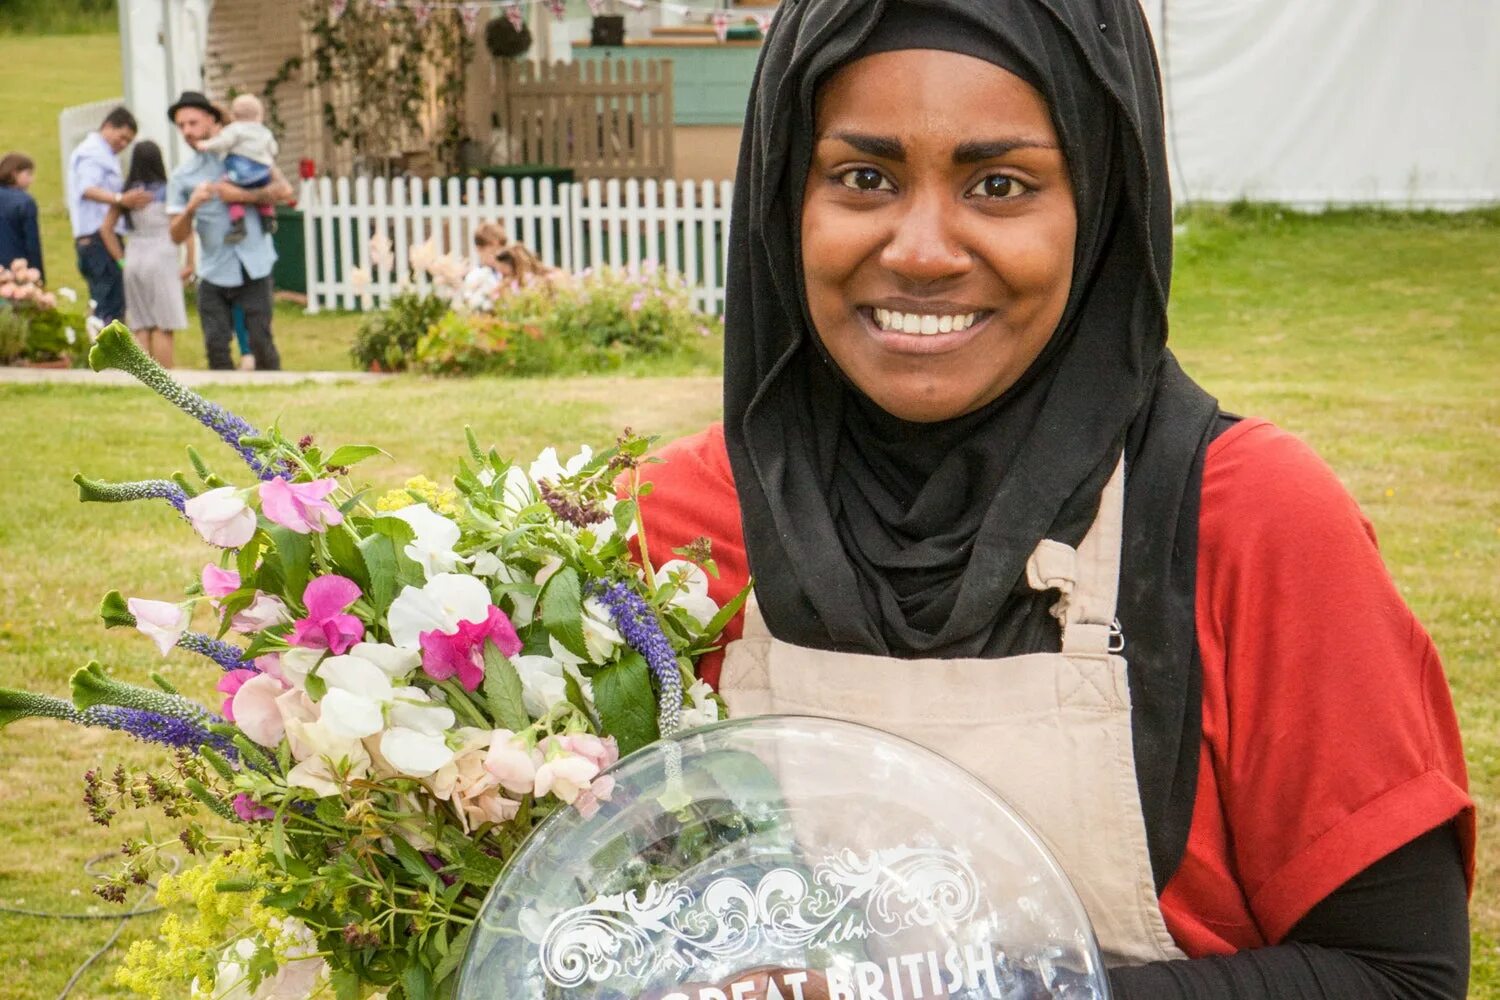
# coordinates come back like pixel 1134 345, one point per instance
pixel 684 227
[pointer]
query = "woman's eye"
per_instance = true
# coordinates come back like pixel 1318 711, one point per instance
pixel 998 186
pixel 865 179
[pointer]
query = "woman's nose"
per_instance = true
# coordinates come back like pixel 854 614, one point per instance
pixel 924 245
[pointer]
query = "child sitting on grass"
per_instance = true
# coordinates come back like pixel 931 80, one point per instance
pixel 249 150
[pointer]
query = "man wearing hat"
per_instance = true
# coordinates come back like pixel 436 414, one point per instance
pixel 229 274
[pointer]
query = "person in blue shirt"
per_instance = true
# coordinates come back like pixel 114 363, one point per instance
pixel 229 274
pixel 95 183
pixel 19 233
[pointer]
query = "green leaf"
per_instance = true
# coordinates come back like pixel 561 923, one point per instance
pixel 456 949
pixel 502 690
pixel 401 535
pixel 716 624
pixel 278 837
pixel 626 703
pixel 114 611
pixel 346 984
pixel 562 610
pixel 343 548
pixel 473 443
pixel 416 866
pixel 349 454
pixel 248 559
pixel 294 555
pixel 575 694
pixel 418 982
pixel 625 515
pixel 378 553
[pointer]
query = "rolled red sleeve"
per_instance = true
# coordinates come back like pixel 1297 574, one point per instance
pixel 1328 724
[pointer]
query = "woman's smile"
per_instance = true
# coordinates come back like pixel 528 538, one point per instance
pixel 917 328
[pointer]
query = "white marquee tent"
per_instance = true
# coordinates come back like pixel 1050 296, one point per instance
pixel 1307 102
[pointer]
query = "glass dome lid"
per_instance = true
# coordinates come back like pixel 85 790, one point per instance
pixel 785 858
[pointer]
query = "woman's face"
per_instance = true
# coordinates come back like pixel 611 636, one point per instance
pixel 938 228
pixel 24 178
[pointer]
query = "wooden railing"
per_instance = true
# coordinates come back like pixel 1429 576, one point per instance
pixel 601 119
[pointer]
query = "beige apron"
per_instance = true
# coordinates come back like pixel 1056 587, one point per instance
pixel 1050 732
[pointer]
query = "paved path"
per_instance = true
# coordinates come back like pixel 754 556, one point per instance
pixel 187 376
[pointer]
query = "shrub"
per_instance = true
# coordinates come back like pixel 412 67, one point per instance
pixel 32 325
pixel 388 339
pixel 597 322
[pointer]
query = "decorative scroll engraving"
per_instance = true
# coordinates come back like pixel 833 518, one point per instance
pixel 665 929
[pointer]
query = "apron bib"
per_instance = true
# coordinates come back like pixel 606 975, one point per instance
pixel 1050 732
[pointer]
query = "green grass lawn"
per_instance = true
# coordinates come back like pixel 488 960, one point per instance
pixel 1373 337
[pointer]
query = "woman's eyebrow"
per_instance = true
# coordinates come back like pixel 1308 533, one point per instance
pixel 976 151
pixel 882 146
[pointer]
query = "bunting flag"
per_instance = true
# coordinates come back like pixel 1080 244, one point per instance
pixel 469 12
pixel 336 9
pixel 635 5
pixel 514 16
pixel 720 22
pixel 763 22
pixel 422 11
pixel 596 7
pixel 382 4
pixel 559 8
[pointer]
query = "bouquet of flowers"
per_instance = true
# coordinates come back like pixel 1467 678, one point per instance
pixel 411 683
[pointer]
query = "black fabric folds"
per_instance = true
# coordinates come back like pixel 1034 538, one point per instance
pixel 870 534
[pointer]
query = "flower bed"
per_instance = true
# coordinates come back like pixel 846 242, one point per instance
pixel 471 323
pixel 34 329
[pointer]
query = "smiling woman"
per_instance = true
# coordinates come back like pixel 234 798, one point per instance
pixel 985 508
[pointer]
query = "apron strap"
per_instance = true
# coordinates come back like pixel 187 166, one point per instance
pixel 1087 578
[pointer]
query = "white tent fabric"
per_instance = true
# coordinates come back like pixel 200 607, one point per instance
pixel 1325 102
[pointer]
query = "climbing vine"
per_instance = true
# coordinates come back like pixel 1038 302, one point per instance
pixel 391 82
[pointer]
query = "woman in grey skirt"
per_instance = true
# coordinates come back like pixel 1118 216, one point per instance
pixel 154 309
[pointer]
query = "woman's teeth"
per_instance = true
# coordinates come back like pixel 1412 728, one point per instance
pixel 925 324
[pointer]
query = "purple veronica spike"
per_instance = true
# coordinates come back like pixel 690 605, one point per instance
pixel 153 727
pixel 642 632
pixel 225 655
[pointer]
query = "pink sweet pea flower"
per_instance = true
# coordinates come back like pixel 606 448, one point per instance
pixel 219 582
pixel 512 763
pixel 161 622
pixel 299 506
pixel 250 810
pixel 325 626
pixel 461 652
pixel 263 612
pixel 229 685
pixel 590 798
pixel 255 710
pixel 601 752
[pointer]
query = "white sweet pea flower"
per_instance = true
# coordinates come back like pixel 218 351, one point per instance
pixel 692 593
pixel 324 749
pixel 297 663
pixel 436 535
pixel 704 711
pixel 358 692
pixel 548 468
pixel 446 600
pixel 395 662
pixel 486 564
pixel 416 742
pixel 222 517
pixel 160 621
pixel 542 683
pixel 599 634
pixel 518 491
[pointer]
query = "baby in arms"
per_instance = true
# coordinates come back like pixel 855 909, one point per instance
pixel 249 150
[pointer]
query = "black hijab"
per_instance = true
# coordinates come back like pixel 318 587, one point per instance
pixel 867 533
